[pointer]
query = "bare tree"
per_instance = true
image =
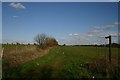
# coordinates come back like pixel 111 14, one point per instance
pixel 44 41
pixel 40 39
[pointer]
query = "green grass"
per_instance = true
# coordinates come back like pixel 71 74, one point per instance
pixel 61 62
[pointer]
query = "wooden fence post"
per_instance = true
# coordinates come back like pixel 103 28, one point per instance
pixel 109 37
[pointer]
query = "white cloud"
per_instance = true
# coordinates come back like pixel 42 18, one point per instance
pixel 98 30
pixel 107 27
pixel 17 5
pixel 4 41
pixel 70 34
pixel 96 27
pixel 114 34
pixel 73 34
pixel 103 27
pixel 94 31
pixel 57 40
pixel 116 23
pixel 90 35
pixel 15 16
pixel 115 0
pixel 84 37
pixel 79 39
pixel 95 36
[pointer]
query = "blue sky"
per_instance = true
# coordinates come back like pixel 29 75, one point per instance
pixel 0 23
pixel 60 0
pixel 70 23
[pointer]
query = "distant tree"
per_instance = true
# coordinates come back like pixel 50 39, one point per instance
pixel 51 41
pixel 41 39
pixel 34 43
pixel 64 44
pixel 44 41
pixel 28 43
pixel 17 43
pixel 114 45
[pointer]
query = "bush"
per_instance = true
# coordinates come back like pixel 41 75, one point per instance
pixel 44 41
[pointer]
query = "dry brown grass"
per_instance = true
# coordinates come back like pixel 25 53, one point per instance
pixel 102 67
pixel 20 55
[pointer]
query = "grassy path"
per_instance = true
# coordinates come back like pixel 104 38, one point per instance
pixel 61 62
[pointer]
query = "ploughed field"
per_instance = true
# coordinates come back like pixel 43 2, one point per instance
pixel 59 62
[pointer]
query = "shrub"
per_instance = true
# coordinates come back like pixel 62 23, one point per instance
pixel 44 41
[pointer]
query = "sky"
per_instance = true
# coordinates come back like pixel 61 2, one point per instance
pixel 71 23
pixel 0 23
pixel 60 0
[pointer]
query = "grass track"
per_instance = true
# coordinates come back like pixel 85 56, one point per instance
pixel 61 62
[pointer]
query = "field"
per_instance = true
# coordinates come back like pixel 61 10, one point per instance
pixel 59 62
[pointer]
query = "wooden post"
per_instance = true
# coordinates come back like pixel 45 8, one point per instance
pixel 109 37
pixel 2 52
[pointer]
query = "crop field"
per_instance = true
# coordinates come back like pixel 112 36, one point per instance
pixel 59 62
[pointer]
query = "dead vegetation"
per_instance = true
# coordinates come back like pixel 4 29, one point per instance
pixel 102 68
pixel 19 55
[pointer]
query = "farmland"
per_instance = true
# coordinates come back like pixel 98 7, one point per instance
pixel 60 40
pixel 59 62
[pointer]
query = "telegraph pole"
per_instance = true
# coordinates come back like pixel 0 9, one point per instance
pixel 109 37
